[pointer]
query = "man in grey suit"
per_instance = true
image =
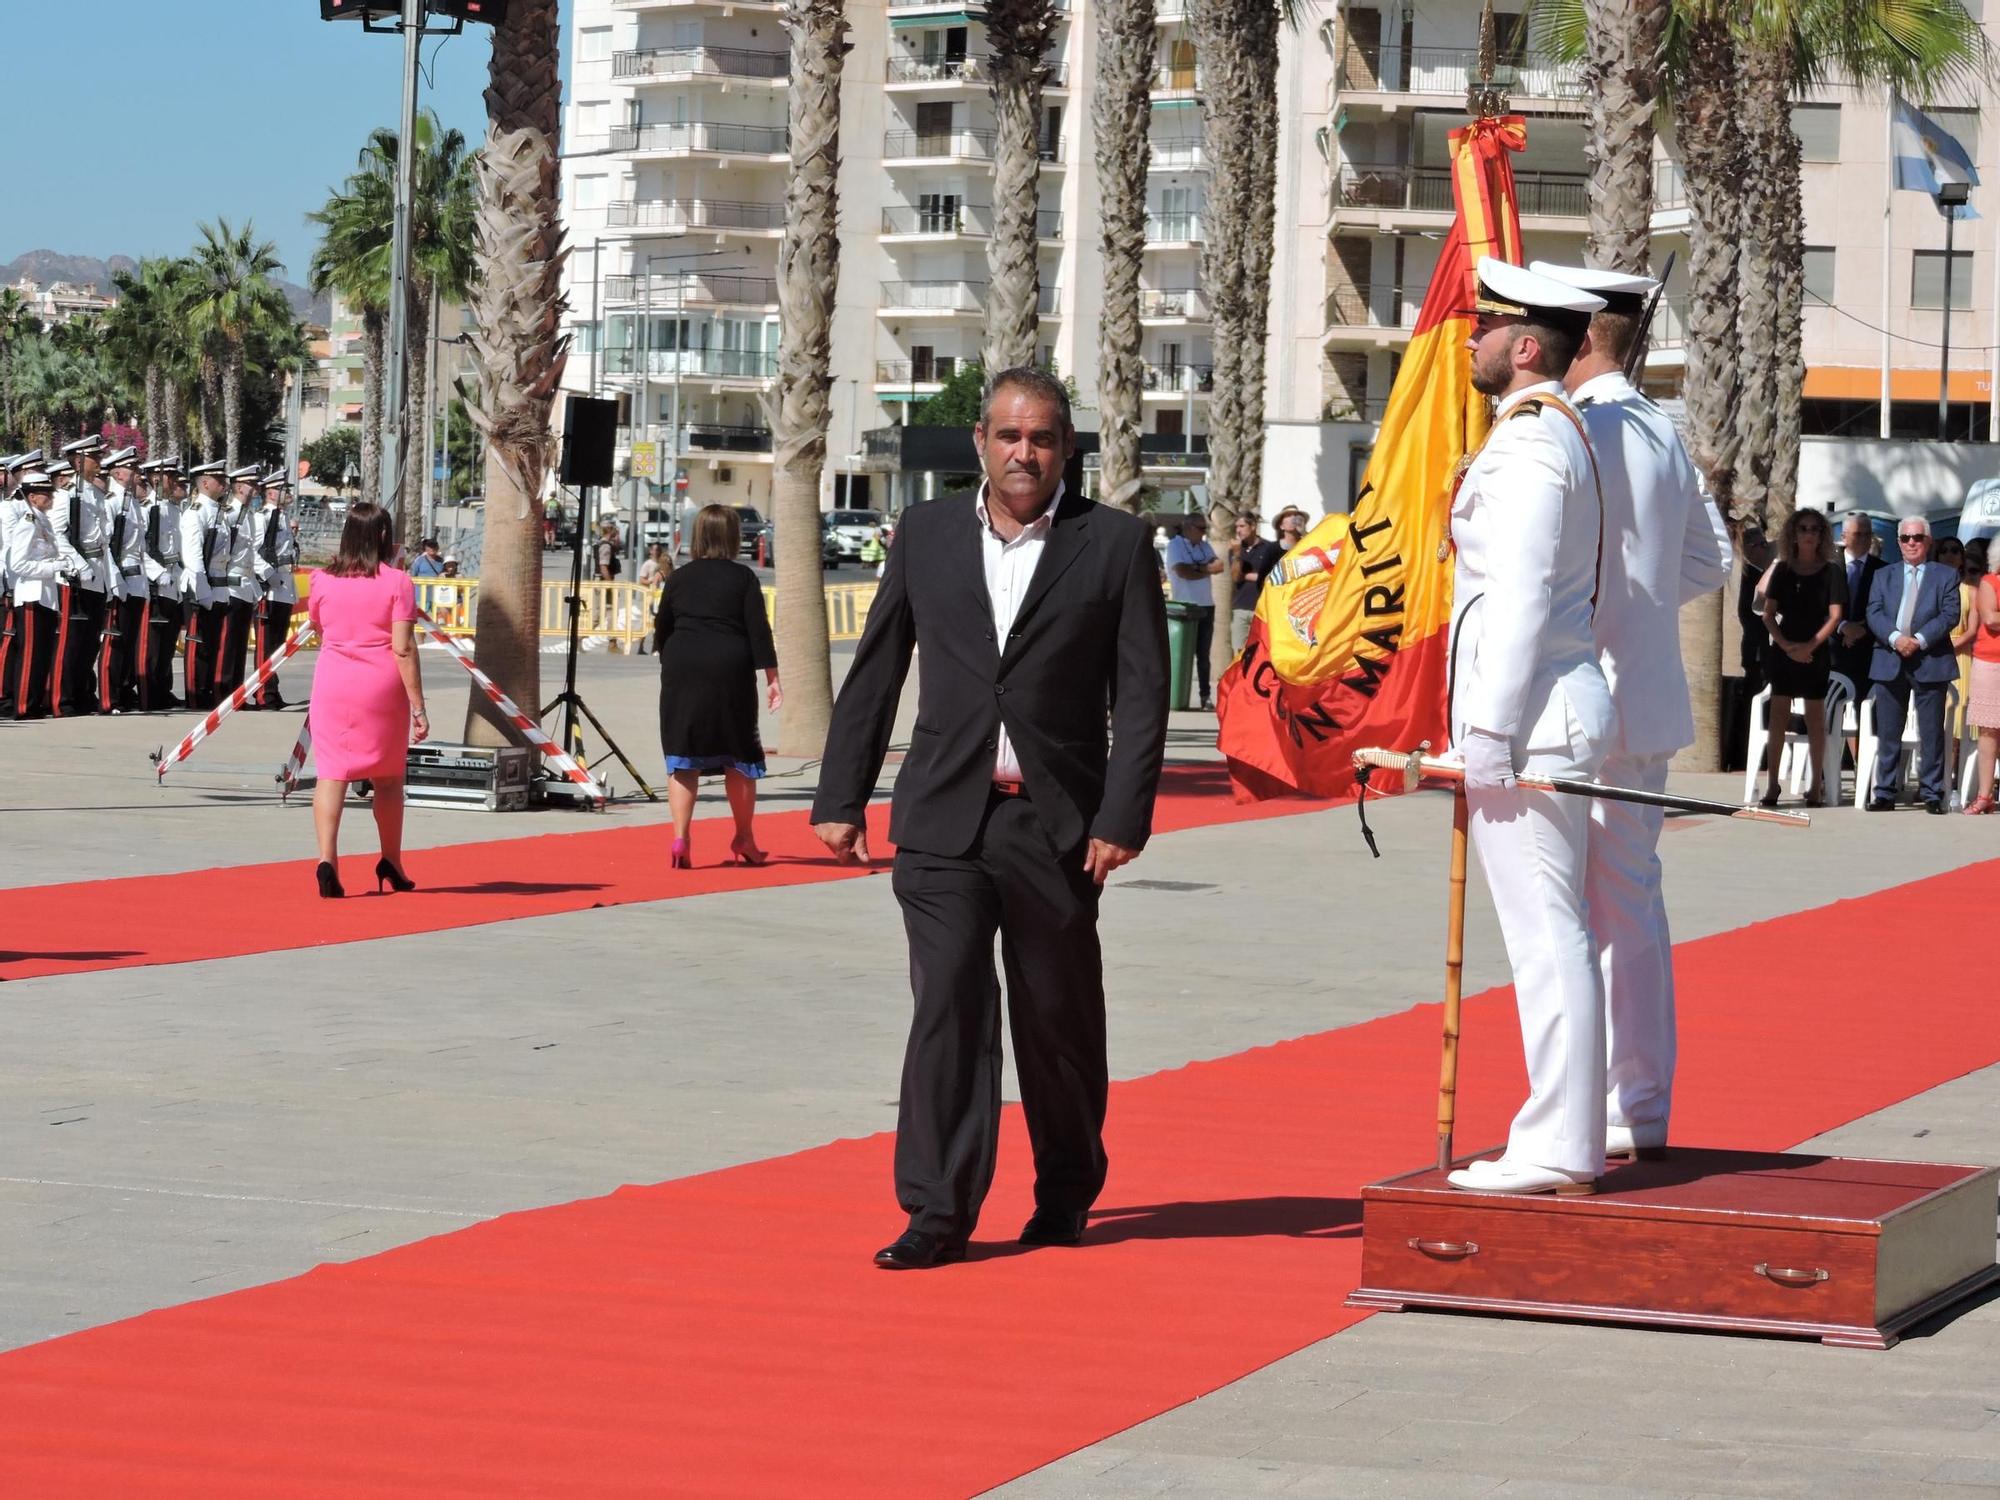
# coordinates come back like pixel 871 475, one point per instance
pixel 1912 609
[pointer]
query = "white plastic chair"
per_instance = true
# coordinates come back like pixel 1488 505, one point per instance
pixel 1867 747
pixel 1795 756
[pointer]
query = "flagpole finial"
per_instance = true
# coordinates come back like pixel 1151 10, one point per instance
pixel 1485 99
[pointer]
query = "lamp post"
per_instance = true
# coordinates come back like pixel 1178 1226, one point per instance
pixel 673 457
pixel 1951 197
pixel 399 260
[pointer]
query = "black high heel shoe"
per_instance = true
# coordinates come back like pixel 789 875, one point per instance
pixel 387 874
pixel 329 881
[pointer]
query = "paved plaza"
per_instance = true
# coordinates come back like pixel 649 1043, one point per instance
pixel 170 1133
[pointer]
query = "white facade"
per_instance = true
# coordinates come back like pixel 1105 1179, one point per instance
pixel 675 158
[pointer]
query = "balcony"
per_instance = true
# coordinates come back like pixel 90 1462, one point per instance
pixel 946 298
pixel 692 364
pixel 1183 305
pixel 966 221
pixel 970 7
pixel 1170 10
pixel 1445 73
pixel 951 145
pixel 681 214
pixel 692 289
pixel 905 374
pixel 960 72
pixel 700 137
pixel 714 437
pixel 702 62
pixel 1369 311
pixel 1173 80
pixel 1173 229
pixel 725 6
pixel 1669 332
pixel 1176 380
pixel 1427 190
pixel 1178 156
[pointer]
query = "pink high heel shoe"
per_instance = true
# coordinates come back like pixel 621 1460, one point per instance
pixel 746 852
pixel 683 858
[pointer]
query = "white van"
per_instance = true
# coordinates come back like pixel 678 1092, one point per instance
pixel 1981 517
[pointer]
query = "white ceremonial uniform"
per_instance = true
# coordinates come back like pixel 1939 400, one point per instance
pixel 238 522
pixel 88 551
pixel 10 512
pixel 1665 544
pixel 204 552
pixel 125 546
pixel 35 558
pixel 160 530
pixel 1526 523
pixel 276 576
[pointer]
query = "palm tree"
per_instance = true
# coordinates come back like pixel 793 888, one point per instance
pixel 352 262
pixel 518 344
pixel 232 300
pixel 1121 112
pixel 141 330
pixel 1018 36
pixel 17 324
pixel 443 205
pixel 1623 45
pixel 808 268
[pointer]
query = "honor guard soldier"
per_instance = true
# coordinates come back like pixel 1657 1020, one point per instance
pixel 205 583
pixel 39 566
pixel 82 531
pixel 1527 695
pixel 1664 545
pixel 117 683
pixel 161 627
pixel 12 506
pixel 276 559
pixel 238 519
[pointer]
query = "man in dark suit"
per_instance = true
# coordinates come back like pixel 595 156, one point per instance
pixel 1912 607
pixel 1037 619
pixel 1854 643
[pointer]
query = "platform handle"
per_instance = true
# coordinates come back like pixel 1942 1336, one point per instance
pixel 1445 1249
pixel 1790 1275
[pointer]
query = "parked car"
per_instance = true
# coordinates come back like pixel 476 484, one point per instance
pixel 755 528
pixel 851 528
pixel 829 547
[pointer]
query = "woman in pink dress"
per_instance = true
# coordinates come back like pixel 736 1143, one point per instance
pixel 367 693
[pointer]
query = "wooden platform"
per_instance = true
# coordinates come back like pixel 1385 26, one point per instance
pixel 1844 1250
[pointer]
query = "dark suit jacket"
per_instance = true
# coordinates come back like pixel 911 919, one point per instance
pixel 1855 662
pixel 1935 615
pixel 1088 644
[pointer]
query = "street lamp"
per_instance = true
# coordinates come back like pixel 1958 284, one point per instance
pixel 1951 197
pixel 646 367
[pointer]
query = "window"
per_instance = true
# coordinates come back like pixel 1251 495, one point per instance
pixel 1818 128
pixel 592 191
pixel 1927 279
pixel 1819 275
pixel 593 119
pixel 593 44
pixel 1962 125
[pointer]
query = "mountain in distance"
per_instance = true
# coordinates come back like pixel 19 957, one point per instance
pixel 45 266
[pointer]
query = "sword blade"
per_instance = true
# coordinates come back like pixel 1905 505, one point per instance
pixel 1415 766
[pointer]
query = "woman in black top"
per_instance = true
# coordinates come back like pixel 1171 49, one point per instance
pixel 712 636
pixel 1804 600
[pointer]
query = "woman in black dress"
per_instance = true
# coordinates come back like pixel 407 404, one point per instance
pixel 1805 597
pixel 712 637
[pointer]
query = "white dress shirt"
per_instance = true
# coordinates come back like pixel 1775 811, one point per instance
pixel 1913 575
pixel 1010 567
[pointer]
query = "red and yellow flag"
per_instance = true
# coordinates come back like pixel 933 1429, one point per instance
pixel 1348 647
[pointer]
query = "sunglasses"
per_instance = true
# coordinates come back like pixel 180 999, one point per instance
pixel 1912 536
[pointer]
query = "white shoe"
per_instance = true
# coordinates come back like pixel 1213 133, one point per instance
pixel 1635 1142
pixel 1504 1176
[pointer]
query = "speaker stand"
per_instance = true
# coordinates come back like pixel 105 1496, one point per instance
pixel 569 700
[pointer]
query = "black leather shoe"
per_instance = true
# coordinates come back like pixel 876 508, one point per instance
pixel 1880 804
pixel 918 1250
pixel 1935 808
pixel 1055 1226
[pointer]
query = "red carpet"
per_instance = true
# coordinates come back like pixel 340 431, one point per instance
pixel 724 1335
pixel 225 913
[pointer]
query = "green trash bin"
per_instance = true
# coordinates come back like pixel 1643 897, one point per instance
pixel 1180 654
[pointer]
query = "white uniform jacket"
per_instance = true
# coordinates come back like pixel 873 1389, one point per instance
pixel 1526 522
pixel 204 552
pixel 78 517
pixel 1664 544
pixel 238 520
pixel 34 558
pixel 160 522
pixel 274 554
pixel 10 511
pixel 126 543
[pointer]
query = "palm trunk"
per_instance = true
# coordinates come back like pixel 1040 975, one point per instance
pixel 416 431
pixel 1775 241
pixel 211 407
pixel 173 406
pixel 1017 34
pixel 232 403
pixel 808 271
pixel 1766 117
pixel 517 338
pixel 1120 112
pixel 1259 250
pixel 1622 82
pixel 374 347
pixel 157 440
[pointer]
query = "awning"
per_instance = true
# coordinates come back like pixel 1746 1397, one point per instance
pixel 1864 383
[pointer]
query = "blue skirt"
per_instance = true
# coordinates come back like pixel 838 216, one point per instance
pixel 754 769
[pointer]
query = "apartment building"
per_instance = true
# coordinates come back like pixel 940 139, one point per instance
pixel 674 172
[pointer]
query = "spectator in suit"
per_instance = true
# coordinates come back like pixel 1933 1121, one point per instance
pixel 1912 612
pixel 1854 647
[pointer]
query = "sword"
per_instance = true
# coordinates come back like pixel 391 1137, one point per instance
pixel 1416 764
pixel 1637 353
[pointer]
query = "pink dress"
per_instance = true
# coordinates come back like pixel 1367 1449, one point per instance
pixel 360 714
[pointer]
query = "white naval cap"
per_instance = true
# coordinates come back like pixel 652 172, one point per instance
pixel 1622 291
pixel 35 479
pixel 248 471
pixel 214 468
pixel 124 458
pixel 84 447
pixel 61 467
pixel 24 460
pixel 1516 292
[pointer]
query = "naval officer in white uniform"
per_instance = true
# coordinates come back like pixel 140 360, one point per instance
pixel 1528 695
pixel 1664 545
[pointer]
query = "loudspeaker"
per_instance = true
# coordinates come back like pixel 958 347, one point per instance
pixel 354 10
pixel 590 433
pixel 492 11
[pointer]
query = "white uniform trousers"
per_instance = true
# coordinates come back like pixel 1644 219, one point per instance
pixel 1628 917
pixel 1533 847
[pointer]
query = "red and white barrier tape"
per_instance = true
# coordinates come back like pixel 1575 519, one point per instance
pixel 530 730
pixel 212 720
pixel 288 773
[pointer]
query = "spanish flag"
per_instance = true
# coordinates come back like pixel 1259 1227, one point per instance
pixel 1348 647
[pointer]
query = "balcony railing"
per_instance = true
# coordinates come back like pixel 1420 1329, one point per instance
pixel 1049 304
pixel 1170 10
pixel 1559 195
pixel 693 213
pixel 708 62
pixel 1669 330
pixel 716 437
pixel 935 296
pixel 693 287
pixel 1173 229
pixel 1369 307
pixel 969 219
pixel 1185 378
pixel 711 364
pixel 1183 302
pixel 700 135
pixel 978 145
pixel 1179 156
pixel 1172 80
pixel 1669 186
pixel 1447 70
pixel 934 371
pixel 968 69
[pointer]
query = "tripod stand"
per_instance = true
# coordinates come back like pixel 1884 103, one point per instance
pixel 569 700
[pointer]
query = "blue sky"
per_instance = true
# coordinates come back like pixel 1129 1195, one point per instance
pixel 147 116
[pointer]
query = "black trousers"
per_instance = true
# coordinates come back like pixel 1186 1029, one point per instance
pixel 1203 618
pixel 32 660
pixel 1044 910
pixel 274 622
pixel 204 636
pixel 10 659
pixel 160 630
pixel 117 674
pixel 82 634
pixel 234 640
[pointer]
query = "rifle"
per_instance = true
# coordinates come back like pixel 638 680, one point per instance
pixel 1637 353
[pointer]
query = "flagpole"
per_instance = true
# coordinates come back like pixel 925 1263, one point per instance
pixel 1888 213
